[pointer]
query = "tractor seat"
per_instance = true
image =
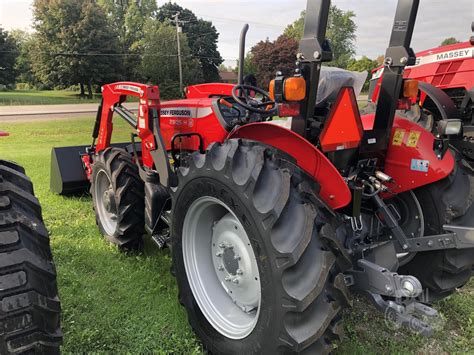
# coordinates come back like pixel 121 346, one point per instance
pixel 333 79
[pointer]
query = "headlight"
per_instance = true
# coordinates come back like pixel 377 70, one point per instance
pixel 449 127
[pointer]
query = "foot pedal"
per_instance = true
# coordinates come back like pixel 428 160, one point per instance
pixel 161 240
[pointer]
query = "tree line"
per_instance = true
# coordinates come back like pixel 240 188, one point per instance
pixel 92 42
pixel 89 43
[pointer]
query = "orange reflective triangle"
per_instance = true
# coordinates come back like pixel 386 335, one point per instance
pixel 343 129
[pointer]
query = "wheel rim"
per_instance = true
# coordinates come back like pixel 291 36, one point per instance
pixel 221 267
pixel 105 202
pixel 410 212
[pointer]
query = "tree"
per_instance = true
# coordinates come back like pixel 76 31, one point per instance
pixel 128 18
pixel 8 54
pixel 449 40
pixel 75 44
pixel 363 64
pixel 160 63
pixel 341 34
pixel 269 57
pixel 202 38
pixel 24 61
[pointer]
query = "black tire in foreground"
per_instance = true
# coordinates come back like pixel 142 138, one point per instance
pixel 301 289
pixel 118 197
pixel 449 201
pixel 29 302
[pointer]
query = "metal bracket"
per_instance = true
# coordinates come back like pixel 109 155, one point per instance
pixel 460 238
pixel 376 279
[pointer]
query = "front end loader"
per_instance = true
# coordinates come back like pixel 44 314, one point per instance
pixel 271 229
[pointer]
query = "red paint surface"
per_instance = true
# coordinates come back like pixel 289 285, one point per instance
pixel 113 94
pixel 449 73
pixel 398 161
pixel 204 91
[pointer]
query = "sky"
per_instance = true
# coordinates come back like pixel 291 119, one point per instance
pixel 437 20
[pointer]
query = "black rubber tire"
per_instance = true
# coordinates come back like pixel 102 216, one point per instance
pixel 444 202
pixel 279 208
pixel 29 301
pixel 129 195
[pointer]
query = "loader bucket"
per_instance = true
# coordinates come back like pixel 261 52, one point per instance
pixel 67 172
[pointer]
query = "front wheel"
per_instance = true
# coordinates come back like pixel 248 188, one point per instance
pixel 252 270
pixel 118 196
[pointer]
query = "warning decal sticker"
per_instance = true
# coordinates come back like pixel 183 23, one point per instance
pixel 413 139
pixel 398 137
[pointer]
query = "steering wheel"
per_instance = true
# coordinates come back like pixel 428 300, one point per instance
pixel 252 104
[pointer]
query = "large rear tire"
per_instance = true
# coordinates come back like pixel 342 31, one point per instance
pixel 445 202
pixel 118 196
pixel 29 302
pixel 243 211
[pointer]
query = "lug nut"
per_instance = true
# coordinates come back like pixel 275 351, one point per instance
pixel 227 279
pixel 237 257
pixel 220 268
pixel 219 254
pixel 222 245
pixel 239 272
pixel 235 281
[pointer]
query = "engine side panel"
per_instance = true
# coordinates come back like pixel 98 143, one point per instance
pixel 190 116
pixel 334 190
pixel 411 160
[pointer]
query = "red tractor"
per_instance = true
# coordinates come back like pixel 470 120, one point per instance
pixel 446 76
pixel 273 229
pixel 29 302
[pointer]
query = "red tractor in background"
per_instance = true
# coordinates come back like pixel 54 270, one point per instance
pixel 29 302
pixel 446 80
pixel 272 229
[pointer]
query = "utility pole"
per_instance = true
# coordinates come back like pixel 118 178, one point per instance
pixel 176 21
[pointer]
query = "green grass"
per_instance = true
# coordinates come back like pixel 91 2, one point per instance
pixel 113 303
pixel 42 97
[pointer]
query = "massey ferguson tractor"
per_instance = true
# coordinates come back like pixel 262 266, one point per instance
pixel 29 302
pixel 271 229
pixel 446 83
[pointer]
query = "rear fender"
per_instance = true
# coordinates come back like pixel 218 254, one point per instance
pixel 334 190
pixel 411 160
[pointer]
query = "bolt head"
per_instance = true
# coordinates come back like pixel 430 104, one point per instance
pixel 408 287
pixel 220 268
pixel 237 257
pixel 239 272
pixel 316 55
pixel 405 246
pixel 227 279
pixel 222 245
pixel 430 243
pixel 219 254
pixel 404 60
pixel 388 288
pixel 235 281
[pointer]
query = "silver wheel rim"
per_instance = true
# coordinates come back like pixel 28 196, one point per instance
pixel 105 202
pixel 221 267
